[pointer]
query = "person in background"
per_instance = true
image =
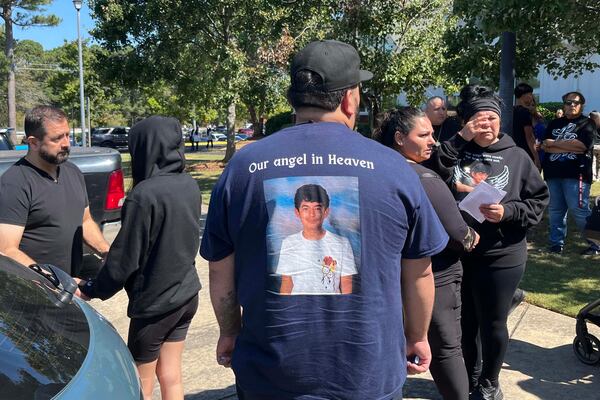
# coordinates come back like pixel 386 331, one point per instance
pixel 559 113
pixel 408 131
pixel 153 255
pixel 539 130
pixel 595 116
pixel 209 137
pixel 444 127
pixel 493 269
pixel 523 134
pixel 568 145
pixel 196 138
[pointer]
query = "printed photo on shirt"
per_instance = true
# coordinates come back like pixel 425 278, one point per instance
pixel 471 172
pixel 313 235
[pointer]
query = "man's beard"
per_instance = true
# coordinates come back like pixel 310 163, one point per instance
pixel 57 159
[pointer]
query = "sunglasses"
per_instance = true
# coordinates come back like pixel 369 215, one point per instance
pixel 572 103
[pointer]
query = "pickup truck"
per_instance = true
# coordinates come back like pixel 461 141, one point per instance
pixel 102 172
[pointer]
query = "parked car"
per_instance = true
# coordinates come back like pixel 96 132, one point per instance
pixel 242 136
pixel 55 346
pixel 113 137
pixel 246 131
pixel 5 143
pixel 219 137
pixel 239 138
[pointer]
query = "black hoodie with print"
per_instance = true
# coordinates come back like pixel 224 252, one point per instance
pixel 507 167
pixel 153 254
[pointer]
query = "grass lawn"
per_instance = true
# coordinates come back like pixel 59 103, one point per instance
pixel 562 283
pixel 195 161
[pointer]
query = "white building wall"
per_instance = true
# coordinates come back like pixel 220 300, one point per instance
pixel 430 92
pixel 550 89
pixel 587 83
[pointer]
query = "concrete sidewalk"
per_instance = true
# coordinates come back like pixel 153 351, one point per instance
pixel 540 363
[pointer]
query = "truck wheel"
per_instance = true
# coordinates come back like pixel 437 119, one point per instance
pixel 587 349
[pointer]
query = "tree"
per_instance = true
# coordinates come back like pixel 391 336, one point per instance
pixel 209 50
pixel 556 34
pixel 21 13
pixel 400 42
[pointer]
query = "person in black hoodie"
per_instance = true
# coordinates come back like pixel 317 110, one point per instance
pixel 493 270
pixel 153 254
pixel 409 131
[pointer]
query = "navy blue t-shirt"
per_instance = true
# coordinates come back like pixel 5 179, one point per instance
pixel 319 218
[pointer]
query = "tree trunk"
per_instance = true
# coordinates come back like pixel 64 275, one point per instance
pixel 507 80
pixel 255 120
pixel 9 52
pixel 230 151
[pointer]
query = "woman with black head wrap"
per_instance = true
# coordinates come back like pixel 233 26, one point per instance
pixel 493 270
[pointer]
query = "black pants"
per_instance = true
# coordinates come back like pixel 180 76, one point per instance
pixel 487 294
pixel 447 365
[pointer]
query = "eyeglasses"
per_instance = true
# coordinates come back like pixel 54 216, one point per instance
pixel 572 103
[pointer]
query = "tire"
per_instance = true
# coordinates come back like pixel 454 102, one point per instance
pixel 107 144
pixel 587 349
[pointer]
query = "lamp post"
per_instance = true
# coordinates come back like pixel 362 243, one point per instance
pixel 77 4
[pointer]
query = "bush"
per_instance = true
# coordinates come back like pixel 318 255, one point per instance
pixel 278 122
pixel 549 109
pixel 546 113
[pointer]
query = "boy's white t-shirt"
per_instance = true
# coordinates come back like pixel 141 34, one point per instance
pixel 316 266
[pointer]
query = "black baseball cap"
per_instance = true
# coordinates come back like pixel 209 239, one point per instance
pixel 337 63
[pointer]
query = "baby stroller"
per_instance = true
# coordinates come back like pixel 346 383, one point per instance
pixel 586 345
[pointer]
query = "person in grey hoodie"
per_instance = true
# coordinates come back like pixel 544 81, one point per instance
pixel 493 270
pixel 153 255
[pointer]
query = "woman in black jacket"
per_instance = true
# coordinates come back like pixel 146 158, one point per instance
pixel 493 270
pixel 409 131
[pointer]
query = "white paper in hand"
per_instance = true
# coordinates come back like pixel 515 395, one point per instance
pixel 483 193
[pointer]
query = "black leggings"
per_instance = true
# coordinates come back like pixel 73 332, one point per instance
pixel 487 294
pixel 447 366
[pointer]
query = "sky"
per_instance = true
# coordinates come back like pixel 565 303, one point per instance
pixel 51 37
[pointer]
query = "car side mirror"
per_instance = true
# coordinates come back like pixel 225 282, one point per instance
pixel 64 284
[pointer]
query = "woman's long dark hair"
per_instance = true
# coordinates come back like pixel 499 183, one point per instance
pixel 401 120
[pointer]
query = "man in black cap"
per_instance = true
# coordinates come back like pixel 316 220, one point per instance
pixel 318 345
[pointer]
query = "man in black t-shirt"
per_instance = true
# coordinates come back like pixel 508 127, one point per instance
pixel 444 127
pixel 523 134
pixel 44 211
pixel 568 170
